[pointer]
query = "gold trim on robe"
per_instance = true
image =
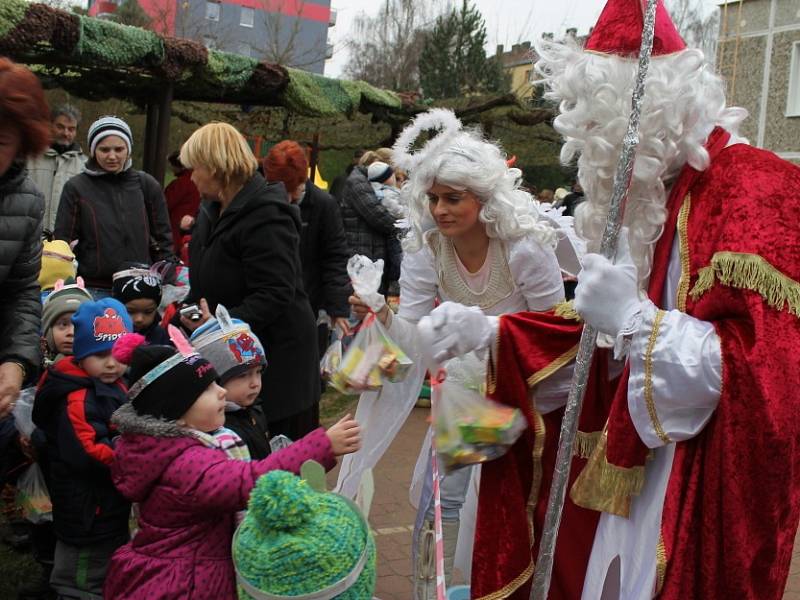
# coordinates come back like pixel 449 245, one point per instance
pixel 648 379
pixel 750 272
pixel 554 366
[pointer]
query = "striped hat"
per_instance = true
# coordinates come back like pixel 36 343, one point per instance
pixel 106 126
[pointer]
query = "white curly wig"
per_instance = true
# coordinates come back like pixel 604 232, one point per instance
pixel 464 160
pixel 684 101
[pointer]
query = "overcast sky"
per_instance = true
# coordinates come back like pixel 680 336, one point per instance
pixel 507 21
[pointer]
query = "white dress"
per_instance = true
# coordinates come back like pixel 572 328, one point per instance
pixel 524 276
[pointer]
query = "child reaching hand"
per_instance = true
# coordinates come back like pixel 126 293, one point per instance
pixel 188 489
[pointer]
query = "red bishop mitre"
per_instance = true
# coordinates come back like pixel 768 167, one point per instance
pixel 619 30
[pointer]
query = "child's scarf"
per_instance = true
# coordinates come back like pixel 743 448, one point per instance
pixel 226 440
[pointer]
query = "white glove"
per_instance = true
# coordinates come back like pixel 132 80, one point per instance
pixel 453 329
pixel 607 295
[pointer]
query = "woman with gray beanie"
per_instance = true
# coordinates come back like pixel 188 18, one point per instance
pixel 117 214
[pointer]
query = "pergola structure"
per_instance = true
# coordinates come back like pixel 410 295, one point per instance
pixel 97 59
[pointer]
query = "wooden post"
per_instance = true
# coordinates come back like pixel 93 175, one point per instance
pixel 150 129
pixel 161 149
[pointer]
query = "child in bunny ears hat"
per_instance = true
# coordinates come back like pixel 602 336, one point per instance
pixel 188 487
pixel 57 310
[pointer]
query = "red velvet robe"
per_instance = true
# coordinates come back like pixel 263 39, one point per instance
pixel 733 498
pixel 514 488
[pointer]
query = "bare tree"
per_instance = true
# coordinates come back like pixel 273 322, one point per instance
pixel 698 24
pixel 385 49
pixel 283 43
pixel 187 19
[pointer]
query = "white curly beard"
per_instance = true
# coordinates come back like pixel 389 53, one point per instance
pixel 684 101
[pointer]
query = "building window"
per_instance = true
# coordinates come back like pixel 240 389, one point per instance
pixel 793 98
pixel 245 49
pixel 247 16
pixel 210 42
pixel 212 10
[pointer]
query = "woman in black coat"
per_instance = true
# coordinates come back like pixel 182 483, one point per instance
pixel 24 132
pixel 244 254
pixel 323 246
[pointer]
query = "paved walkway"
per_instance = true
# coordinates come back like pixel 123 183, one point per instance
pixel 392 517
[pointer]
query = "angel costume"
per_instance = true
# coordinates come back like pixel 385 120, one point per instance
pixel 519 274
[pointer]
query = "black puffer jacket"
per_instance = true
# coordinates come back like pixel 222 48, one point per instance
pixel 250 424
pixel 74 411
pixel 248 259
pixel 21 213
pixel 367 223
pixel 116 218
pixel 324 253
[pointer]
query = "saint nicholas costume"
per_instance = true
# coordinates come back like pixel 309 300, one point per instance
pixel 684 462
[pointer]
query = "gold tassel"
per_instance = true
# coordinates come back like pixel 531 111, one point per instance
pixel 566 310
pixel 585 443
pixel 605 487
pixel 750 272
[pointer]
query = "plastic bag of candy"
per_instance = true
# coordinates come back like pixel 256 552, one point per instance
pixel 372 358
pixel 33 497
pixel 469 428
pixel 331 360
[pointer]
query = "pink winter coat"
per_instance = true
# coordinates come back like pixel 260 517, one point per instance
pixel 188 496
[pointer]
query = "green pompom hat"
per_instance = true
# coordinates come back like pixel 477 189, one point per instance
pixel 296 542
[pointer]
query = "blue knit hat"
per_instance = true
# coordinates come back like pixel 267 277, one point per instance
pixel 98 325
pixel 298 542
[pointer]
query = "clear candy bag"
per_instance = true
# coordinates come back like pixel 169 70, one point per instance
pixel 33 497
pixel 372 358
pixel 469 428
pixel 331 360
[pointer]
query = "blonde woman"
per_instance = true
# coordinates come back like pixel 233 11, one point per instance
pixel 244 254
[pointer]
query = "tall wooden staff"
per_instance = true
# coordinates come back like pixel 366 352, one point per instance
pixel 569 424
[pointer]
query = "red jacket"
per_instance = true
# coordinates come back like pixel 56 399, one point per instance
pixel 182 199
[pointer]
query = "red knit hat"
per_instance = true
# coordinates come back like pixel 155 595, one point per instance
pixel 619 30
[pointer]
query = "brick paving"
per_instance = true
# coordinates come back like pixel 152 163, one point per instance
pixel 392 517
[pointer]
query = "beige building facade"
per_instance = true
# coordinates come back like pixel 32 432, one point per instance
pixel 759 56
pixel 518 66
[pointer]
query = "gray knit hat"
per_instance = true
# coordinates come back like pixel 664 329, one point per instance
pixel 62 300
pixel 106 126
pixel 228 344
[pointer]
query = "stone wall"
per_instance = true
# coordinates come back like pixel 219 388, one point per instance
pixel 745 85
